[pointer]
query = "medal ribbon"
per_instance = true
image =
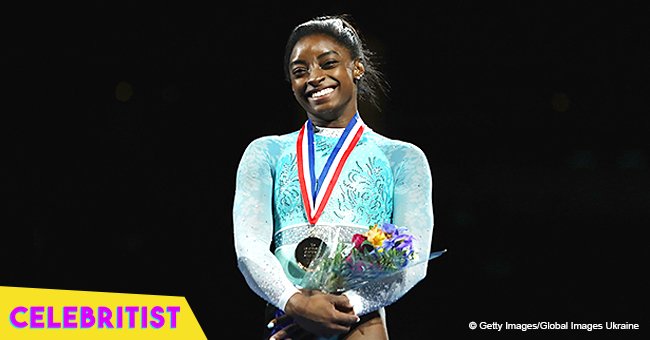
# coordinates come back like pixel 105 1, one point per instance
pixel 314 199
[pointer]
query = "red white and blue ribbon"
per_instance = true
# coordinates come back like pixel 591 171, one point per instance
pixel 316 192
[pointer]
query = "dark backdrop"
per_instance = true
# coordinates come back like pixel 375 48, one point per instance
pixel 125 121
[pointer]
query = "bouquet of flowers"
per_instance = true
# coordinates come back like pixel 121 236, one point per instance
pixel 382 251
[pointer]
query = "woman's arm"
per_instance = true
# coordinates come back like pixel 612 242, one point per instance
pixel 253 225
pixel 253 231
pixel 413 209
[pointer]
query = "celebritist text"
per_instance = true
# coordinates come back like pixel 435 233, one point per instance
pixel 80 317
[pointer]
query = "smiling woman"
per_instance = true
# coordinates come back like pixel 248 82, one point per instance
pixel 322 76
pixel 335 175
pixel 337 46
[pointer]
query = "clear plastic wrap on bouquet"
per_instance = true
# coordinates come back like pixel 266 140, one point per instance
pixel 378 254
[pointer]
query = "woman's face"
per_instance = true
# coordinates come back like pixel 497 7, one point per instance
pixel 322 76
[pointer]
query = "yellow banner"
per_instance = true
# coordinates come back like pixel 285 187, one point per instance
pixel 32 313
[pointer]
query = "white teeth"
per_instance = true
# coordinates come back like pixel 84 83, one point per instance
pixel 322 92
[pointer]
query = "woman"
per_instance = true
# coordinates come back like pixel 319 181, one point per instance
pixel 335 173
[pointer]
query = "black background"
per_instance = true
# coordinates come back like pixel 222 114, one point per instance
pixel 124 123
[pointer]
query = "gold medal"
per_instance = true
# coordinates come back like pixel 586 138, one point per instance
pixel 307 250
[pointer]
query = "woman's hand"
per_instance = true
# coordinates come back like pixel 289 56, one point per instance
pixel 318 313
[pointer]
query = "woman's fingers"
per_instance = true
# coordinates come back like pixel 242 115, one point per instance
pixel 280 320
pixel 344 317
pixel 285 333
pixel 342 303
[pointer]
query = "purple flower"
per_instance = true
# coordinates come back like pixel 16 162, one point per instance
pixel 404 243
pixel 389 228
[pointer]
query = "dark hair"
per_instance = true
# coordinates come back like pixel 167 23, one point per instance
pixel 341 29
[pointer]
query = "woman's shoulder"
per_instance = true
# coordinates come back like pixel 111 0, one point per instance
pixel 271 140
pixel 406 157
pixel 393 145
pixel 270 145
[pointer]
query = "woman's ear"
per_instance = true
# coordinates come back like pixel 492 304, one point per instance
pixel 359 69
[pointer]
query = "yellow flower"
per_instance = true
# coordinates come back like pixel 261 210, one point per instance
pixel 376 236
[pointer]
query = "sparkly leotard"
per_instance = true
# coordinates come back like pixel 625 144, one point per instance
pixel 383 180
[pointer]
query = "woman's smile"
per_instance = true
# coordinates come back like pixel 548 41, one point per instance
pixel 321 95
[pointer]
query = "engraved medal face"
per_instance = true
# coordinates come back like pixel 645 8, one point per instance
pixel 307 250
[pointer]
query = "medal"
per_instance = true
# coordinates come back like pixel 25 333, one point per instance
pixel 316 193
pixel 307 250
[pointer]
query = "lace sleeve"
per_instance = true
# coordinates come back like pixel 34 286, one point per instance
pixel 253 225
pixel 413 208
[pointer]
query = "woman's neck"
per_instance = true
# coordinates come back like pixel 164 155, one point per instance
pixel 341 120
